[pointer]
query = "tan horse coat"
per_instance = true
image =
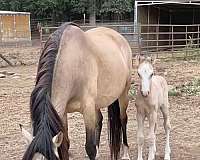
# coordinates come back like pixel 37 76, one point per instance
pixel 94 76
pixel 80 72
pixel 99 69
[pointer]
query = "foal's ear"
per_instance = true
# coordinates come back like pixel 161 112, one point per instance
pixel 152 60
pixel 57 139
pixel 149 59
pixel 139 59
pixel 28 137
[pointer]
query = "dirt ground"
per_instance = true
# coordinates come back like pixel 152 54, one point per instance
pixel 185 114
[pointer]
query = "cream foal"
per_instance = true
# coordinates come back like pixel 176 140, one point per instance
pixel 152 95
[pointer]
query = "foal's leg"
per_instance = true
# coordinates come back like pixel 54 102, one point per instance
pixel 140 134
pixel 167 127
pixel 123 102
pixel 98 129
pixel 89 115
pixel 152 137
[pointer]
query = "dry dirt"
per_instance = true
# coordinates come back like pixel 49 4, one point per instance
pixel 185 114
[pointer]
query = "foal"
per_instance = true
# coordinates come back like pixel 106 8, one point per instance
pixel 152 95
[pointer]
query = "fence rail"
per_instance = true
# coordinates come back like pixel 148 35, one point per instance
pixel 152 38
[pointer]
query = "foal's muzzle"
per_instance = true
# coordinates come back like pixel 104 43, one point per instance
pixel 145 94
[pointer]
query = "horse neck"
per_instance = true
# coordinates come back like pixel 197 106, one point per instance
pixel 46 122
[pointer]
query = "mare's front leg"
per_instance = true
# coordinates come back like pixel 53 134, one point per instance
pixel 140 134
pixel 152 137
pixel 98 129
pixel 89 115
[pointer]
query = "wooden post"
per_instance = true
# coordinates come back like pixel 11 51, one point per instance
pixel 5 59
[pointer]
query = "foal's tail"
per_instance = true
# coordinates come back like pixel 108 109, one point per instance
pixel 115 129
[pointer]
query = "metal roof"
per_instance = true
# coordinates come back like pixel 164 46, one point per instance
pixel 12 12
pixel 158 2
pixel 186 1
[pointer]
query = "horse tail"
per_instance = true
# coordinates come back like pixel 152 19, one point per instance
pixel 115 129
pixel 45 120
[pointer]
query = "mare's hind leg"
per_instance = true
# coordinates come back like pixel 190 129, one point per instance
pixel 123 102
pixel 89 115
pixel 167 127
pixel 98 129
pixel 65 124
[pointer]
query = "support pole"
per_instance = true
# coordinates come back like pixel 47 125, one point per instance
pixel 157 32
pixel 135 17
pixel 148 20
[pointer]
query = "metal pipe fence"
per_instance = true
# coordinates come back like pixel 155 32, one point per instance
pixel 151 38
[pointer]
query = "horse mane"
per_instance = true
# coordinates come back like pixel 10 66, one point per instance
pixel 45 120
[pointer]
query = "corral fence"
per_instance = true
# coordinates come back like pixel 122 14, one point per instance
pixel 158 39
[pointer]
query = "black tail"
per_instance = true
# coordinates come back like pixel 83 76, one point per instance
pixel 115 129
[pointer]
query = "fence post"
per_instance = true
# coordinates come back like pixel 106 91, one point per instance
pixel 157 39
pixel 40 30
pixel 172 41
pixel 186 33
pixel 1 29
pixel 198 37
pixel 139 39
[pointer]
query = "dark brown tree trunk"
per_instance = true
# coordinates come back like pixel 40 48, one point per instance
pixel 54 18
pixel 92 14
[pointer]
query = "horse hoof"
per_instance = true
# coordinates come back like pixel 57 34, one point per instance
pixel 152 158
pixel 167 157
pixel 97 156
pixel 125 153
pixel 126 158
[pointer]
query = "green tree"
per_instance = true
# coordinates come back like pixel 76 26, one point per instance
pixel 61 10
pixel 117 7
pixel 85 6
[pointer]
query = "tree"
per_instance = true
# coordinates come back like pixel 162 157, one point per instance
pixel 85 6
pixel 92 12
pixel 62 10
pixel 117 7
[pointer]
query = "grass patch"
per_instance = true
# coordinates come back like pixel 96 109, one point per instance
pixel 174 92
pixel 132 91
pixel 191 89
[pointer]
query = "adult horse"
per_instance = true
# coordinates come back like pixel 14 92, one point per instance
pixel 79 72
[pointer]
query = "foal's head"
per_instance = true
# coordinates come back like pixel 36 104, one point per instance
pixel 145 72
pixel 29 139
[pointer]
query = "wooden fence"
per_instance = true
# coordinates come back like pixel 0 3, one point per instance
pixel 152 38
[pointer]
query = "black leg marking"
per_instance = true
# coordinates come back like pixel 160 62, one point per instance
pixel 99 127
pixel 90 145
pixel 124 129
